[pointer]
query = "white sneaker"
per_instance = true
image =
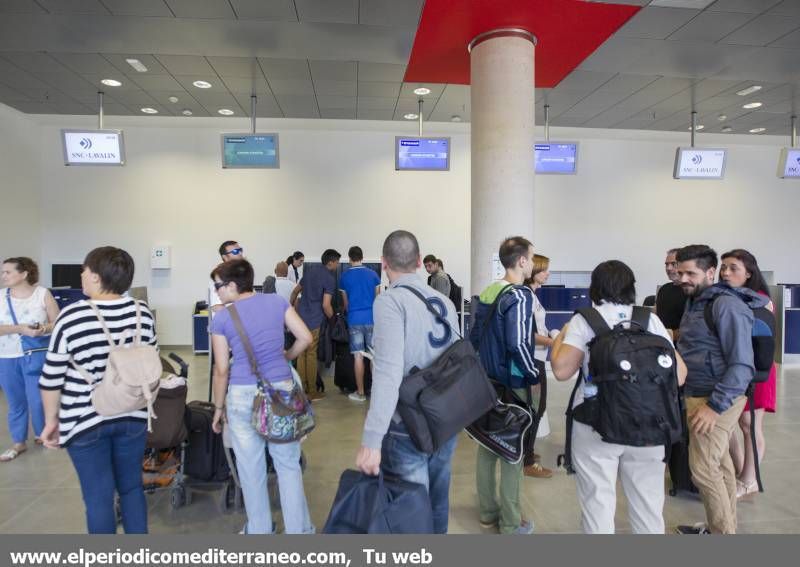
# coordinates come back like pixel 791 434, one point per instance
pixel 356 397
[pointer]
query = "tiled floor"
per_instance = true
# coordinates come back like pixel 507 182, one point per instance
pixel 39 491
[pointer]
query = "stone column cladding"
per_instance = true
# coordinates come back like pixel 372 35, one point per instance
pixel 502 141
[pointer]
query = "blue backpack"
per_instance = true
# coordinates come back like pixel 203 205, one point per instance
pixel 763 337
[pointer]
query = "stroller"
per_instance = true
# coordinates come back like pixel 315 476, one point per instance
pixel 164 456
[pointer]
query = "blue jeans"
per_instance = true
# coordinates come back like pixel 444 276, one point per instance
pixel 19 378
pixel 108 459
pixel 401 458
pixel 360 338
pixel 251 464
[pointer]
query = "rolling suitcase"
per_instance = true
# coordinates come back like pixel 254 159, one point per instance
pixel 344 376
pixel 205 454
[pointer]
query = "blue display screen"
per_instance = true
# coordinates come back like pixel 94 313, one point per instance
pixel 427 154
pixel 250 150
pixel 556 158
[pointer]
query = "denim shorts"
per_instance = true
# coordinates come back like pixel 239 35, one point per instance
pixel 360 338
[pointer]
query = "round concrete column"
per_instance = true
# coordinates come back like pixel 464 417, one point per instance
pixel 502 140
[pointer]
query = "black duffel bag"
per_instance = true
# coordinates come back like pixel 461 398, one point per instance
pixel 509 427
pixel 437 402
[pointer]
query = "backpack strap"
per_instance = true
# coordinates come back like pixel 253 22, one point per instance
pixel 708 315
pixel 640 317
pixel 594 319
pixel 103 326
pixel 565 459
pixel 433 311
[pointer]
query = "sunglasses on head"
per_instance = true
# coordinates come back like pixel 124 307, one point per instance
pixel 219 285
pixel 235 251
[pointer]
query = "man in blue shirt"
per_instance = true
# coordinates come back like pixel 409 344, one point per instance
pixel 359 286
pixel 316 291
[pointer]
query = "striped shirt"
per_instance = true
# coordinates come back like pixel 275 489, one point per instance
pixel 78 334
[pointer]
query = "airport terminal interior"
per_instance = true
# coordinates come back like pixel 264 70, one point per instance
pixel 598 129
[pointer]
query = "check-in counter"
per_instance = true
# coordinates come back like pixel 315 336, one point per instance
pixel 787 307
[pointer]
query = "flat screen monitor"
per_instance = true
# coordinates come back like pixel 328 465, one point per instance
pixel 421 154
pixel 700 163
pixel 93 147
pixel 66 275
pixel 789 164
pixel 250 151
pixel 556 158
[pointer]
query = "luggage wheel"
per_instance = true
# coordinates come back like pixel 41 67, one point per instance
pixel 179 497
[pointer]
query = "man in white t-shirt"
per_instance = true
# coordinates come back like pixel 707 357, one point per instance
pixel 283 285
pixel 228 250
pixel 597 463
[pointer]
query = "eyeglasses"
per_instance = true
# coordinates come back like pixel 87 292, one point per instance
pixel 235 251
pixel 220 285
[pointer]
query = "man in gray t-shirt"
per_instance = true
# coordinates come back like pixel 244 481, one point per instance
pixel 437 279
pixel 406 335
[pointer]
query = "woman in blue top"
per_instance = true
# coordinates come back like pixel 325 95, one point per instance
pixel 263 318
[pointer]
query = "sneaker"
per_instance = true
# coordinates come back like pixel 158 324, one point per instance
pixel 525 528
pixel 697 529
pixel 356 397
pixel 490 524
pixel 316 396
pixel 537 471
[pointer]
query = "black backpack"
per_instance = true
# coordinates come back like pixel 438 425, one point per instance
pixel 635 372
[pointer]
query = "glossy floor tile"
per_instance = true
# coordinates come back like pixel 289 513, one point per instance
pixel 39 492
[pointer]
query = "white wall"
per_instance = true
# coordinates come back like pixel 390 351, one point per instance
pixel 20 164
pixel 337 186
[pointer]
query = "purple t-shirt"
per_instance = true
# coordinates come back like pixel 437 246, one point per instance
pixel 262 317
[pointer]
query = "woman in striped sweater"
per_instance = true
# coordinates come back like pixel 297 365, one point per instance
pixel 107 451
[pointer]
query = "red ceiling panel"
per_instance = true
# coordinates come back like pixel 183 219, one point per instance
pixel 568 31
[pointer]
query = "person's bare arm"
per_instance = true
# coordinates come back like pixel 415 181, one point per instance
pixel 565 360
pixel 327 305
pixel 219 344
pixel 295 292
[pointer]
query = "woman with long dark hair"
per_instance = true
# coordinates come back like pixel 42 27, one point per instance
pixel 739 268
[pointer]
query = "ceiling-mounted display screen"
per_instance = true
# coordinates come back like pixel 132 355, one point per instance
pixel 559 158
pixel 252 151
pixel 421 154
pixel 700 163
pixel 789 164
pixel 93 147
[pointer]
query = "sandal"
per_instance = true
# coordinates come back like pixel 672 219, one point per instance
pixel 743 489
pixel 12 453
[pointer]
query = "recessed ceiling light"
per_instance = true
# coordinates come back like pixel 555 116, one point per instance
pixel 187 112
pixel 136 64
pixel 173 99
pixel 757 130
pixel 751 105
pixel 148 110
pixel 697 128
pixel 411 116
pixel 455 118
pixel 225 111
pixel 749 90
pixel 111 82
pixel 422 91
pixel 202 84
pixel 727 129
pixel 722 117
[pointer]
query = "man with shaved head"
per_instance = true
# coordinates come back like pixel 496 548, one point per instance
pixel 405 336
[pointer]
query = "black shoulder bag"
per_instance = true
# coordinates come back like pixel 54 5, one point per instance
pixel 437 402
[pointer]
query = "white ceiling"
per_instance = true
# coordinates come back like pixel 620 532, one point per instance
pixel 346 59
